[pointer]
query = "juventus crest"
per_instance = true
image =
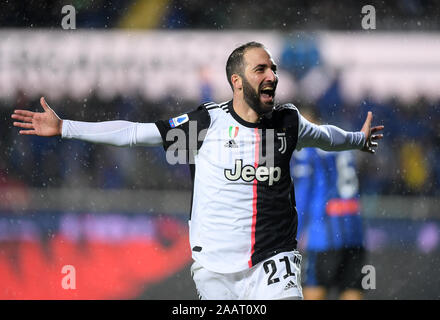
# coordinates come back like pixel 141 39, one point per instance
pixel 282 137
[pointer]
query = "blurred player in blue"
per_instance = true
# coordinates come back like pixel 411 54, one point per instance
pixel 329 222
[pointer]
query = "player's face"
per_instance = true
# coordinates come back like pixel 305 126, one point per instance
pixel 260 80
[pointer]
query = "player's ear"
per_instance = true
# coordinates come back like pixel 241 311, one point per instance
pixel 237 82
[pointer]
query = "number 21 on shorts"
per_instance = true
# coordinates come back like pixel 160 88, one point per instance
pixel 286 267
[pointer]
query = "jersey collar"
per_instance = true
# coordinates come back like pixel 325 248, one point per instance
pixel 244 122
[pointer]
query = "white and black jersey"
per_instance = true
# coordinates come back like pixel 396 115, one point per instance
pixel 243 202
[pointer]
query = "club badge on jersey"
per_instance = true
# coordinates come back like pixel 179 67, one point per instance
pixel 282 137
pixel 177 121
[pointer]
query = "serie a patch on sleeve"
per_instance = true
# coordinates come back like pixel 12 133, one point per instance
pixel 177 121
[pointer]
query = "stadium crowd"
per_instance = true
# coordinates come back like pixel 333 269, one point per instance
pixel 406 162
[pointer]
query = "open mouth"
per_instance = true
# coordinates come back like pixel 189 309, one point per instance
pixel 267 92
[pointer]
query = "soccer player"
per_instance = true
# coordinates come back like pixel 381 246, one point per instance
pixel 329 221
pixel 243 220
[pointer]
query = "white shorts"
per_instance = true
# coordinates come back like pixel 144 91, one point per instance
pixel 278 277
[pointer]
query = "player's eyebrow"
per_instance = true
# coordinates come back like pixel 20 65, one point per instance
pixel 258 66
pixel 263 65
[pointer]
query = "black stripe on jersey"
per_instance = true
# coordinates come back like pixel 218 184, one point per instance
pixel 225 106
pixel 212 106
pixel 207 104
pixel 203 119
pixel 276 218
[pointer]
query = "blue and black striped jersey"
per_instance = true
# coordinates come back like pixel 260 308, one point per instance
pixel 327 197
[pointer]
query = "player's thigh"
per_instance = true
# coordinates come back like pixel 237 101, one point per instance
pixel 211 285
pixel 328 264
pixel 278 277
pixel 350 277
pixel 312 288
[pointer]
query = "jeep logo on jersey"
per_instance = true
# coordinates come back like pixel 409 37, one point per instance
pixel 248 173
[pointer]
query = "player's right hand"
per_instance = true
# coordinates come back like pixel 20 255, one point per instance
pixel 44 124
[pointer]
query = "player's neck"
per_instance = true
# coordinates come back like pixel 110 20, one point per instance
pixel 244 111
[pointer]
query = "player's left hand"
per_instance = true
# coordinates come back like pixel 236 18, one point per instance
pixel 371 134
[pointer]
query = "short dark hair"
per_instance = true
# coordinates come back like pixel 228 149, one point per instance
pixel 235 64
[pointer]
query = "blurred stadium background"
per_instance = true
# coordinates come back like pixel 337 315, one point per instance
pixel 119 215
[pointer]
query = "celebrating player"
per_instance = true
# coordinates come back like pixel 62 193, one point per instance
pixel 243 220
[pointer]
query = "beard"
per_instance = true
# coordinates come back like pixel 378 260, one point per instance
pixel 253 99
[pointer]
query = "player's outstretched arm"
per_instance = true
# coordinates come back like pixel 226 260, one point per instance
pixel 332 138
pixel 45 123
pixel 116 133
pixel 371 136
